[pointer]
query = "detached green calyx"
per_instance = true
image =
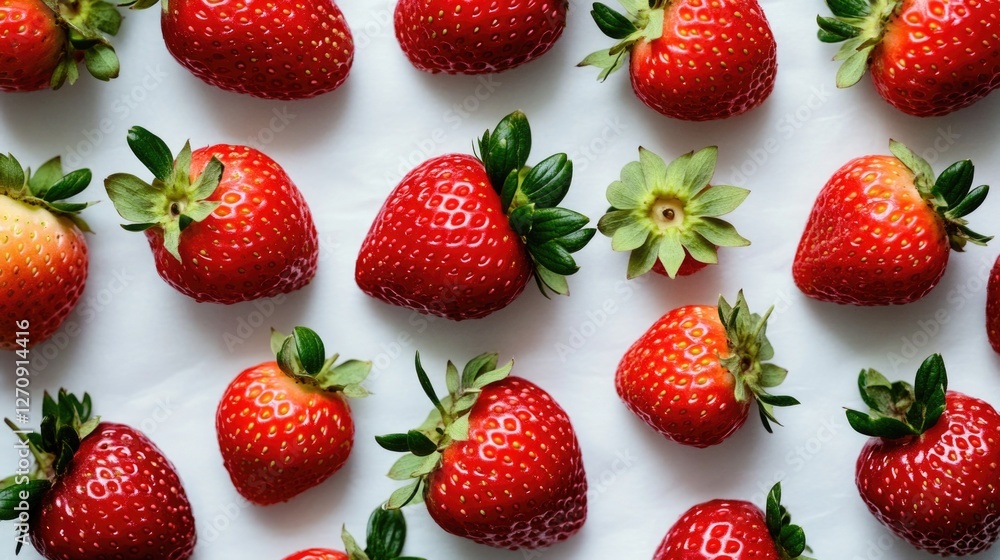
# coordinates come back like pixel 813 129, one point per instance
pixel 447 423
pixel 47 187
pixel 302 357
pixel 790 539
pixel 949 195
pixel 665 213
pixel 860 25
pixel 87 24
pixel 749 351
pixel 643 20
pixel 386 537
pixel 174 200
pixel 899 409
pixel 529 196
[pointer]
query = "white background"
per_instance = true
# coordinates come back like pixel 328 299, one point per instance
pixel 152 358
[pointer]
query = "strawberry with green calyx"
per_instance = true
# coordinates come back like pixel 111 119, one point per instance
pixel 929 471
pixel 497 461
pixel 44 269
pixel 93 482
pixel 286 426
pixel 225 223
pixel 385 541
pixel 668 216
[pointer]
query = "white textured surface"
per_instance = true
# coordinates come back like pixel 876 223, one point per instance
pixel 156 360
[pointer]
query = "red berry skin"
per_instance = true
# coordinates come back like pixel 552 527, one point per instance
pixel 993 307
pixel 518 481
pixel 688 267
pixel 716 59
pixel 280 438
pixel 471 37
pixel 719 530
pixel 260 242
pixel 318 554
pixel 275 49
pixel 31 45
pixel 672 379
pixel 871 239
pixel 938 491
pixel 442 245
pixel 43 271
pixel 120 498
pixel 938 57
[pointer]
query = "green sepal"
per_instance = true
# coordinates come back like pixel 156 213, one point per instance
pixel 789 539
pixel 10 498
pixel 48 187
pixel 386 534
pixel 505 148
pixel 860 26
pixel 302 356
pixel 898 409
pixel 642 22
pixel 102 62
pixel 86 26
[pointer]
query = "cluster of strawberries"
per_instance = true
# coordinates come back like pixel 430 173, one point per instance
pixel 497 459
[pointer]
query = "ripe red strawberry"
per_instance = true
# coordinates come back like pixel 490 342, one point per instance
pixel 461 37
pixel 285 426
pixel 461 236
pixel 275 49
pixel 225 223
pixel 44 261
pixel 386 537
pixel 98 490
pixel 318 554
pixel 930 469
pixel 735 530
pixel 693 375
pixel 694 60
pixel 497 461
pixel 926 58
pixel 993 307
pixel 882 229
pixel 38 51
pixel 668 216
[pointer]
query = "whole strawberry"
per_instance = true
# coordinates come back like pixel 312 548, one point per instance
pixel 668 216
pixel 497 461
pixel 737 530
pixel 225 223
pixel 285 426
pixel 693 60
pixel 882 229
pixel 97 490
pixel 929 472
pixel 386 537
pixel 41 42
pixel 461 236
pixel 693 375
pixel 993 307
pixel 471 38
pixel 44 266
pixel 926 58
pixel 275 49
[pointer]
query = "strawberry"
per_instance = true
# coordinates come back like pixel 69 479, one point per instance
pixel 667 216
pixel 926 58
pixel 386 537
pixel 225 223
pixel 993 307
pixel 497 461
pixel 274 49
pixel 929 471
pixel 461 37
pixel 693 375
pixel 285 426
pixel 97 490
pixel 41 42
pixel 735 530
pixel 461 236
pixel 882 229
pixel 44 266
pixel 695 60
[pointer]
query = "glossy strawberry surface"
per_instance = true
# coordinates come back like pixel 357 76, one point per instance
pixel 993 307
pixel 719 530
pixel 318 554
pixel 31 45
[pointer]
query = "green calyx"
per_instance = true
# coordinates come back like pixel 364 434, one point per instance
pixel 899 409
pixel 385 540
pixel 667 212
pixel 530 195
pixel 174 200
pixel 860 25
pixel 749 350
pixel 48 187
pixel 950 195
pixel 302 357
pixel 789 539
pixel 642 21
pixel 88 23
pixel 447 423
